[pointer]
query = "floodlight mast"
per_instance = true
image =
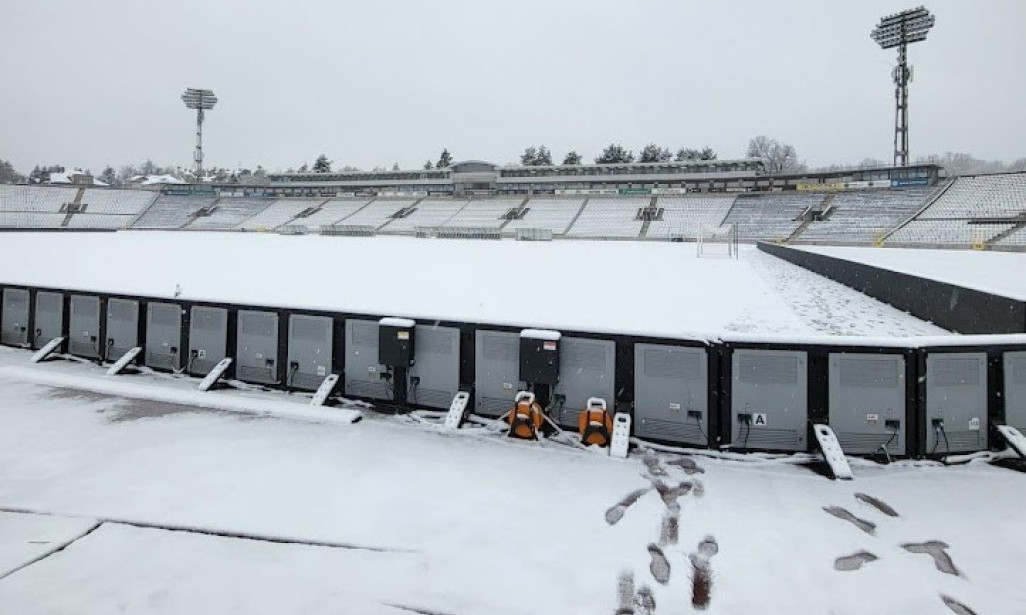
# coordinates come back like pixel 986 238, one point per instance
pixel 199 100
pixel 899 30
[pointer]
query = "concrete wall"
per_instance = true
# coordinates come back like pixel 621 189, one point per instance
pixel 955 308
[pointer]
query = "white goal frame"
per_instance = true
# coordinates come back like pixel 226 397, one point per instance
pixel 709 236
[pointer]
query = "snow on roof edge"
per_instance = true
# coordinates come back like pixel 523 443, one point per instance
pixel 541 334
pixel 392 321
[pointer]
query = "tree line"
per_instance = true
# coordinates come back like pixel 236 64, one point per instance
pixel 779 157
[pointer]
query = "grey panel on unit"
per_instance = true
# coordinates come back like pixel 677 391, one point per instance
pixel 435 374
pixel 671 393
pixel 84 326
pixel 497 371
pixel 257 348
pixel 363 372
pixel 956 402
pixel 122 327
pixel 310 348
pixel 15 317
pixel 867 402
pixel 49 318
pixel 208 338
pixel 586 369
pixel 163 335
pixel 1015 390
pixel 769 399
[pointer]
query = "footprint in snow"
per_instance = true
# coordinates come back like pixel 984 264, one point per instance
pixel 701 572
pixel 659 566
pixel 616 512
pixel 854 561
pixel 937 550
pixel 866 526
pixel 957 607
pixel 877 504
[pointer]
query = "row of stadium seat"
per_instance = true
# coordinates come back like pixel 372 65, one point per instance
pixel 865 216
pixel 971 211
pixel 980 210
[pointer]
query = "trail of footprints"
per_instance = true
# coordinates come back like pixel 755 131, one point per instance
pixel 934 548
pixel 641 601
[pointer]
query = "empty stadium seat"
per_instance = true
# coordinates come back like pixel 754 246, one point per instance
pixel 229 212
pixel 427 213
pixel 100 221
pixel 171 212
pixel 117 202
pixel 686 216
pixel 335 211
pixel 770 215
pixel 946 233
pixel 38 199
pixel 21 220
pixel 484 213
pixel 864 216
pixel 609 217
pixel 378 213
pixel 552 214
pixel 980 197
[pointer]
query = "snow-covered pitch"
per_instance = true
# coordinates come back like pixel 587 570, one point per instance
pixel 633 288
pixel 117 504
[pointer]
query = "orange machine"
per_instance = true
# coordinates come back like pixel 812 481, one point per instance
pixel 526 417
pixel 594 423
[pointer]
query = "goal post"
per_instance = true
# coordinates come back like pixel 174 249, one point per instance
pixel 718 241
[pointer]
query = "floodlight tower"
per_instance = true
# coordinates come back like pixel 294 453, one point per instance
pixel 899 30
pixel 200 100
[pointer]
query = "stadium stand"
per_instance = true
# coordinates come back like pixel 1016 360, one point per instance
pixel 609 217
pixel 685 216
pixel 972 211
pixel 947 233
pixel 980 197
pixel 23 220
pixel 228 213
pixel 1014 239
pixel 119 202
pixel 552 214
pixel 39 199
pixel 276 214
pixel 486 213
pixel 100 221
pixel 170 212
pixel 331 212
pixel 864 216
pixel 772 216
pixel 377 213
pixel 426 213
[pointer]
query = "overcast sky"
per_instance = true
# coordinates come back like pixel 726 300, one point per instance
pixel 376 82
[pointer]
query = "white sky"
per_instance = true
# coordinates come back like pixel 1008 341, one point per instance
pixel 372 83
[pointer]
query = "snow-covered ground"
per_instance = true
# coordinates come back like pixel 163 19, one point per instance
pixel 1000 273
pixel 628 287
pixel 187 510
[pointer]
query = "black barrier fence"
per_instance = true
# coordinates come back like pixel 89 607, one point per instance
pixel 956 308
pixel 745 393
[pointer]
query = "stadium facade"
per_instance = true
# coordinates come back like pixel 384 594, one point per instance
pixel 477 178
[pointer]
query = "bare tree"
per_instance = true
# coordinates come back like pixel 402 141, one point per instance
pixel 779 157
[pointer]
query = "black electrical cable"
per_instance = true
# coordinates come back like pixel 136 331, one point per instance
pixel 748 431
pixel 698 423
pixel 883 447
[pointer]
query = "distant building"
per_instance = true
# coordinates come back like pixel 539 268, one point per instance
pixel 75 177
